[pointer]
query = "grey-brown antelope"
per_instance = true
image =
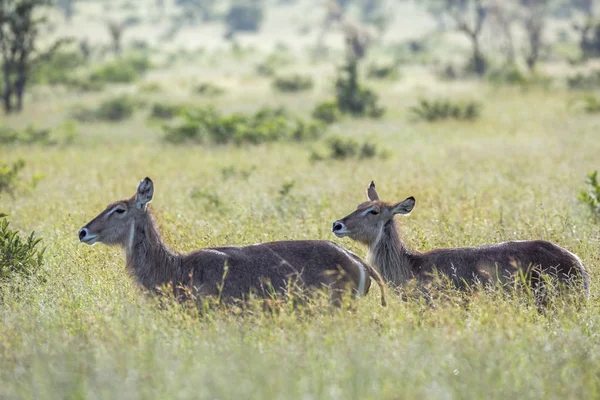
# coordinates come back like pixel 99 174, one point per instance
pixel 373 224
pixel 228 272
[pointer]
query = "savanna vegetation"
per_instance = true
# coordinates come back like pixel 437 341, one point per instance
pixel 265 120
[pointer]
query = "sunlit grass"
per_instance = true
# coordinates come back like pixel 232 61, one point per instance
pixel 90 332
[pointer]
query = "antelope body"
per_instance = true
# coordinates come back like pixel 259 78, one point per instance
pixel 373 224
pixel 229 272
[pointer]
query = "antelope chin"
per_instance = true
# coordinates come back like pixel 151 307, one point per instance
pixel 90 239
pixel 341 233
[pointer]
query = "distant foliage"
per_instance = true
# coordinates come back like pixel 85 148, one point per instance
pixel 64 134
pixel 507 76
pixel 591 104
pixel 30 135
pixel 293 83
pixel 123 70
pixel 591 195
pixel 383 71
pixel 352 97
pixel 341 148
pixel 165 111
pixel 59 68
pixel 590 39
pixel 582 81
pixel 18 256
pixel 435 110
pixel 208 89
pixel 114 109
pixel 327 112
pixel 9 176
pixel 273 62
pixel 244 17
pixel 207 125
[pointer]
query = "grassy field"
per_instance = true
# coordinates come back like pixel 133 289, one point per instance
pixel 88 331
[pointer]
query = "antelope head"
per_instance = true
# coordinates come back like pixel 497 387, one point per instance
pixel 116 224
pixel 367 222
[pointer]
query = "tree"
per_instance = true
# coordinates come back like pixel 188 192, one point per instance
pixel 469 17
pixel 19 30
pixel 116 30
pixel 67 7
pixel 502 15
pixel 534 20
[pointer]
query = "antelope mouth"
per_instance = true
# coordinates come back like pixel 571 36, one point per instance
pixel 90 239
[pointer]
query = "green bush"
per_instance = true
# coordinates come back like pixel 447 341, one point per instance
pixel 352 97
pixel 165 111
pixel 591 104
pixel 30 135
pixel 18 256
pixel 581 81
pixel 114 109
pixel 507 76
pixel 382 71
pixel 327 112
pixel 209 89
pixel 58 68
pixel 9 176
pixel 591 195
pixel 123 70
pixel 244 18
pixel 341 148
pixel 63 134
pixel 293 83
pixel 273 62
pixel 435 110
pixel 207 125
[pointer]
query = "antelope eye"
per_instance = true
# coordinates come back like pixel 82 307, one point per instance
pixel 119 211
pixel 374 212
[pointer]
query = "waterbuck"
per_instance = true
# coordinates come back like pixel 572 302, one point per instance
pixel 373 224
pixel 226 272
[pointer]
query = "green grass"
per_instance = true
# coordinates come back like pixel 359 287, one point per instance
pixel 88 331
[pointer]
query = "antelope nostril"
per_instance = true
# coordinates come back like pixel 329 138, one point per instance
pixel 82 233
pixel 337 226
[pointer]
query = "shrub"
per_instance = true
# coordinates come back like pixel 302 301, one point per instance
pixel 341 148
pixel 435 110
pixel 273 62
pixel 591 104
pixel 9 176
pixel 18 256
pixel 113 109
pixel 591 196
pixel 510 76
pixel 352 98
pixel 244 17
pixel 165 111
pixel 209 89
pixel 293 83
pixel 327 112
pixel 207 125
pixel 382 71
pixel 581 81
pixel 124 70
pixel 58 68
pixel 66 133
pixel 30 135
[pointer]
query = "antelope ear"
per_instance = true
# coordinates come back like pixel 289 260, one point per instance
pixel 404 207
pixel 144 194
pixel 371 192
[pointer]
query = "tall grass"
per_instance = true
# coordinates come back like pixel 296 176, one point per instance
pixel 87 330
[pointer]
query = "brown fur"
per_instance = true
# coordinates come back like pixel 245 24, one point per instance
pixel 229 272
pixel 373 224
